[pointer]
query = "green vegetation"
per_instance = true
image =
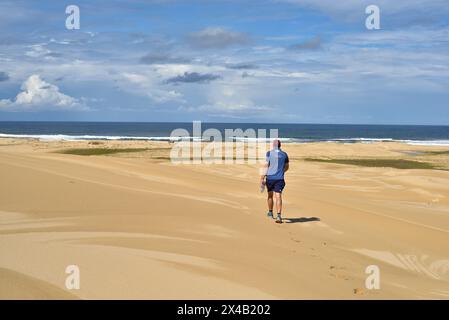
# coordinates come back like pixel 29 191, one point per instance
pixel 100 151
pixel 437 153
pixel 379 163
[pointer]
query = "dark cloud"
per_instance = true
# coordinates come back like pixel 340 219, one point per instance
pixel 194 77
pixel 241 66
pixel 311 44
pixel 216 38
pixel 54 55
pixel 3 76
pixel 161 58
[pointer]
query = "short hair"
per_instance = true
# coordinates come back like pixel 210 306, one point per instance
pixel 277 143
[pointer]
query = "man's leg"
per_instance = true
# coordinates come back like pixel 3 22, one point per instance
pixel 278 196
pixel 270 203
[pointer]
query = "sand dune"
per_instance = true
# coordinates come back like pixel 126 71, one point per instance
pixel 144 228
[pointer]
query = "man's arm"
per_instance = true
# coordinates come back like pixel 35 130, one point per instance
pixel 287 164
pixel 264 169
pixel 263 173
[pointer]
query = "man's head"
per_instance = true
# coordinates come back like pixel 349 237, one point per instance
pixel 276 144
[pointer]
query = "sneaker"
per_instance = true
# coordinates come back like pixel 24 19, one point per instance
pixel 279 219
pixel 270 214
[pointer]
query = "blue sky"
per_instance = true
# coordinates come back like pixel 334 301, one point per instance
pixel 301 61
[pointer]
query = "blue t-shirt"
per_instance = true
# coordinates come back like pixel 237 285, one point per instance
pixel 276 159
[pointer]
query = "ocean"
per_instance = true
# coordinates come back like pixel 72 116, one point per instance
pixel 300 133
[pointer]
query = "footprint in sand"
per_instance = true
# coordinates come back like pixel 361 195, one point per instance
pixel 339 273
pixel 360 291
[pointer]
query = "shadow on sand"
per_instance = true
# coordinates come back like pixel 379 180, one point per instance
pixel 301 220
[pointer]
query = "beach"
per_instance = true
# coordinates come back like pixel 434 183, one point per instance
pixel 140 227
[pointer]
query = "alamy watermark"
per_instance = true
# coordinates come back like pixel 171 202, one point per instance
pixel 372 22
pixel 372 282
pixel 212 146
pixel 72 282
pixel 72 22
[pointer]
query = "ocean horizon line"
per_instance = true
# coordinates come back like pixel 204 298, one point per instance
pixel 167 131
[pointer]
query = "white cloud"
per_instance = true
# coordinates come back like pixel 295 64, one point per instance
pixel 38 95
pixel 242 107
pixel 145 85
pixel 37 50
pixel 217 37
pixel 230 101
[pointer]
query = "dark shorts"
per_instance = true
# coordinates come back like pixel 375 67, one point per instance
pixel 275 185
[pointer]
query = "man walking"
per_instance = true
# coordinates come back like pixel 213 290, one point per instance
pixel 273 177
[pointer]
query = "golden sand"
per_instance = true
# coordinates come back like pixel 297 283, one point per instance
pixel 141 227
